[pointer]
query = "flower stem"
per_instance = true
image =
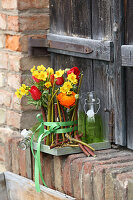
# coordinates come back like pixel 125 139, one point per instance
pixel 58 106
pixel 48 118
pixel 56 119
pixel 78 141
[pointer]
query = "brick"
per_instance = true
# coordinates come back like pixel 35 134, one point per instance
pixel 8 154
pixel 48 171
pixel 2 79
pixel 22 162
pixel 14 63
pixel 28 62
pixel 100 182
pixel 13 42
pixel 77 177
pixel 2 41
pixel 58 173
pixel 26 4
pixel 42 166
pixel 3 21
pixel 3 60
pixel 118 183
pixel 28 164
pixel 5 98
pixel 14 80
pixel 87 181
pixel 35 22
pixel 67 178
pixel 13 119
pixel 9 4
pixel 15 155
pixel 16 103
pixel 4 134
pixel 13 23
pixel 2 152
pixel 2 116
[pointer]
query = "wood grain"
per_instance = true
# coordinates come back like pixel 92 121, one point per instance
pixel 3 192
pixel 127 55
pixel 20 188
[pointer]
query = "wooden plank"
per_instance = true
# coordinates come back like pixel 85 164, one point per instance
pixel 84 65
pixel 127 55
pixel 129 22
pixel 70 150
pixel 101 49
pixel 101 20
pixel 20 188
pixel 129 106
pixel 119 85
pixel 3 192
pixel 68 17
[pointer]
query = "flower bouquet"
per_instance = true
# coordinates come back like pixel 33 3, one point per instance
pixel 57 94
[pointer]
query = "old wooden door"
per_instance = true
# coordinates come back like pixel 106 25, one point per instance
pixel 127 63
pixel 98 21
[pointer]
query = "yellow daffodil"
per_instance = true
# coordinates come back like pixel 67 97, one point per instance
pixel 72 77
pixel 42 76
pixel 41 68
pixel 62 89
pixel 24 86
pixel 48 84
pixel 35 74
pixel 67 86
pixel 69 92
pixel 50 71
pixel 18 94
pixel 59 73
pixel 23 91
pixel 32 69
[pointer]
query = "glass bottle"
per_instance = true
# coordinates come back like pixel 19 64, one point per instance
pixel 90 121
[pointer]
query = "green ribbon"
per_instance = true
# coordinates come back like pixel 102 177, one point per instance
pixel 54 128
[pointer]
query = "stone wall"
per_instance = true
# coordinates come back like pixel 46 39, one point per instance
pixel 19 20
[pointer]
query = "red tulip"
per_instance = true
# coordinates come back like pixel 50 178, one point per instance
pixel 35 93
pixel 35 79
pixel 74 70
pixel 59 81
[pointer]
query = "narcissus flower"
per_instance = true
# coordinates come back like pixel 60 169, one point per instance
pixel 41 68
pixel 67 86
pixel 48 84
pixel 66 100
pixel 42 76
pixel 72 78
pixel 50 71
pixel 35 93
pixel 18 94
pixel 32 69
pixel 59 73
pixel 35 74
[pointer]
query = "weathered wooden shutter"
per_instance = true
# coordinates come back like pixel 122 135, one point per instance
pixel 87 34
pixel 127 63
pixel 92 20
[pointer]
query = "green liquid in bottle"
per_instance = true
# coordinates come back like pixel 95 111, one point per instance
pixel 92 129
